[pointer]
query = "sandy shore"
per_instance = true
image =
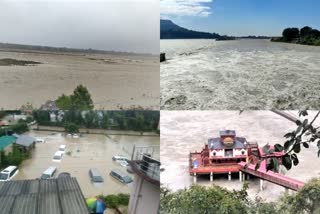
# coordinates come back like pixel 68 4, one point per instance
pixel 114 81
pixel 181 133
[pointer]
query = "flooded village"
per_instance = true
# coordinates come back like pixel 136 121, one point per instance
pixel 104 150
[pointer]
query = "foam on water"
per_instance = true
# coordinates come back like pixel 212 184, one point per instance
pixel 243 74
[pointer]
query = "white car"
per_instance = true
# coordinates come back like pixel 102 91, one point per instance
pixel 62 148
pixel 40 140
pixel 120 158
pixel 123 163
pixel 8 173
pixel 57 156
pixel 75 136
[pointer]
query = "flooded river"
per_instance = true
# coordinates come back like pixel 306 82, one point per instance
pixel 89 151
pixel 182 133
pixel 240 74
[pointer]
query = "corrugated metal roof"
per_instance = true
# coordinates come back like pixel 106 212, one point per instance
pixel 25 140
pixel 51 196
pixel 6 141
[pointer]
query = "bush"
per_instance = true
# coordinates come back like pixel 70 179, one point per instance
pixel 114 201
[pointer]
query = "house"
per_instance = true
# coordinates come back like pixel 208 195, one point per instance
pixel 25 142
pixel 6 142
pixel 227 145
pixel 50 196
pixel 145 192
pixel 50 106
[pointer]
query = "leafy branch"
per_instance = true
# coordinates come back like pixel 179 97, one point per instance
pixel 292 145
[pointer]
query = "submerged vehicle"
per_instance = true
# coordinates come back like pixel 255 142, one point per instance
pixel 8 173
pixel 121 176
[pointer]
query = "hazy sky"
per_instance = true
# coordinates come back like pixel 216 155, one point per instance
pixel 121 25
pixel 242 17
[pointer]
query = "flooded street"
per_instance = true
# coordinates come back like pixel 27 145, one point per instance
pixel 89 151
pixel 240 74
pixel 182 133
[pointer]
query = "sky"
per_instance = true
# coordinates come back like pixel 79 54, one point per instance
pixel 242 17
pixel 118 25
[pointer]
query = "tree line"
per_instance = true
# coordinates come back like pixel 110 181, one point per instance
pixel 305 36
pixel 113 120
pixel 218 200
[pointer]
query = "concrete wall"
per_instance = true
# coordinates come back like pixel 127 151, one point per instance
pixel 144 197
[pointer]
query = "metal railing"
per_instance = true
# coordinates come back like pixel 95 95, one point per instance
pixel 147 159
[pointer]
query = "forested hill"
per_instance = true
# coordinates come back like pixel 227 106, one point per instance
pixel 169 30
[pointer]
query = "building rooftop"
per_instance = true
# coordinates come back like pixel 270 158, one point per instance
pixel 51 196
pixel 215 143
pixel 25 140
pixel 6 141
pixel 228 133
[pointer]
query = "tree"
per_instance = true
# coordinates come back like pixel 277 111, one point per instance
pixel 304 135
pixel 71 127
pixel 290 33
pixel 305 31
pixel 64 102
pixel 81 99
pixel 202 200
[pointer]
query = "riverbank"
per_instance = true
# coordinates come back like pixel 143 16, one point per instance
pixel 315 42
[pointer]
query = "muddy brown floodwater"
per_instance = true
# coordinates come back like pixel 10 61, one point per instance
pixel 85 152
pixel 183 132
pixel 114 81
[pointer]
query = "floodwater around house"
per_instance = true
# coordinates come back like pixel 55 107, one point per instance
pixel 83 153
pixel 240 74
pixel 183 134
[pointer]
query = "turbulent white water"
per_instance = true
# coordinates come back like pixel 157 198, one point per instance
pixel 241 74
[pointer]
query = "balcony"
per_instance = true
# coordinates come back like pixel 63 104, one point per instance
pixel 145 162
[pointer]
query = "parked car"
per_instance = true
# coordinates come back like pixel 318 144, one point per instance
pixel 40 140
pixel 75 135
pixel 8 173
pixel 57 156
pixel 121 176
pixel 95 175
pixel 49 173
pixel 119 158
pixel 123 163
pixel 62 148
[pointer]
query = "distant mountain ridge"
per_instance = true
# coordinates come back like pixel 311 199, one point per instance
pixel 169 30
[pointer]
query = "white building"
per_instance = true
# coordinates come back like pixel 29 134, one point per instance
pixel 145 193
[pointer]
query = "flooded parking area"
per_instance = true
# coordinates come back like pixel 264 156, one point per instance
pixel 83 153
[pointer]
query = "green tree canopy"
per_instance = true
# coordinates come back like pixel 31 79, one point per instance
pixel 290 33
pixel 71 127
pixel 64 102
pixel 80 100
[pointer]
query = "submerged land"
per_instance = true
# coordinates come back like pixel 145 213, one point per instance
pixel 115 80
